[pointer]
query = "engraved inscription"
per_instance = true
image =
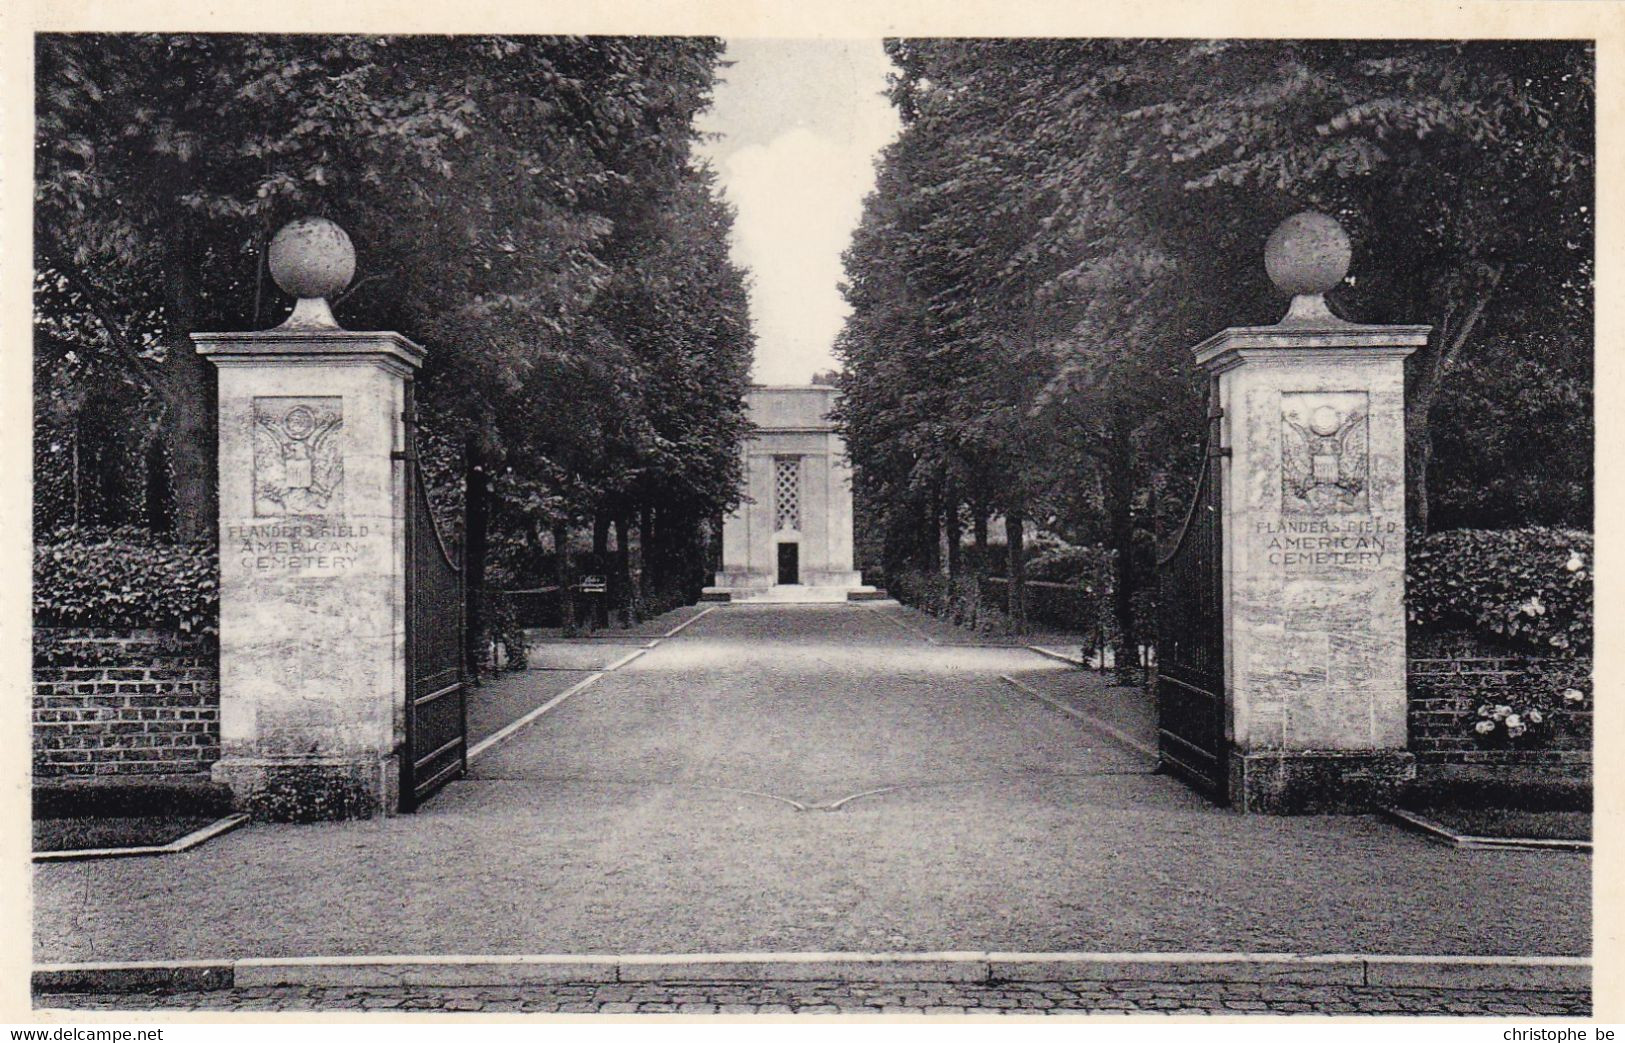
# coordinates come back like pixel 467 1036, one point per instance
pixel 1324 453
pixel 319 549
pixel 1311 543
pixel 298 464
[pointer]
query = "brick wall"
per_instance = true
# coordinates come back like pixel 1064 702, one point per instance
pixel 124 702
pixel 1447 690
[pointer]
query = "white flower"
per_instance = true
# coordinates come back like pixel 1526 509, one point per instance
pixel 1535 717
pixel 1484 727
pixel 1514 721
pixel 1575 562
pixel 1502 710
pixel 1573 695
pixel 1532 607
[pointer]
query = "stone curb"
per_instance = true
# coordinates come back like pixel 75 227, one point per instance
pixel 1050 653
pixel 1445 835
pixel 512 728
pixel 690 621
pixel 1088 720
pixel 139 976
pixel 1532 973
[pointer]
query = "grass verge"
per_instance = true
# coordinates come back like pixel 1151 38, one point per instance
pixel 1512 823
pixel 79 834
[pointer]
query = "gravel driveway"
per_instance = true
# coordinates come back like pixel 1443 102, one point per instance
pixel 814 778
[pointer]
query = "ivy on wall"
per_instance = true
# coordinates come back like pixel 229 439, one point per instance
pixel 1528 588
pixel 125 577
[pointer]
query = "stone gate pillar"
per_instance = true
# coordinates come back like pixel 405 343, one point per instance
pixel 312 547
pixel 1313 520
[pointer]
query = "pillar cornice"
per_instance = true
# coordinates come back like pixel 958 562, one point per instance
pixel 1302 343
pixel 1299 343
pixel 311 347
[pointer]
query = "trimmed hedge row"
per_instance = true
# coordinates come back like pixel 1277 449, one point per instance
pixel 125 577
pixel 1087 566
pixel 960 602
pixel 1529 588
pixel 1526 588
pixel 129 798
pixel 1065 606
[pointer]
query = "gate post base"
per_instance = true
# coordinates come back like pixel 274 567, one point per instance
pixel 311 789
pixel 1310 782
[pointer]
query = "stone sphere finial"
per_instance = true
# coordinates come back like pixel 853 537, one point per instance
pixel 312 259
pixel 1307 255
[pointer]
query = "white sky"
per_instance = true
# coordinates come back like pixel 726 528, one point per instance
pixel 799 125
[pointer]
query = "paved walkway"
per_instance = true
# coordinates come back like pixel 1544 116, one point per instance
pixel 866 998
pixel 815 778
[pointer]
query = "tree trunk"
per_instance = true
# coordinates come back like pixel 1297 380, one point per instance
pixel 656 560
pixel 979 536
pixel 189 441
pixel 77 496
pixel 950 519
pixel 621 577
pixel 534 570
pixel 1014 526
pixel 189 397
pixel 645 540
pixel 1422 384
pixel 561 576
pixel 1418 460
pixel 1424 374
pixel 476 514
pixel 159 498
pixel 1120 520
pixel 600 564
pixel 931 534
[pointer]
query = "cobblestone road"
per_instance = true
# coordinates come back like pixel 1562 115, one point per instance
pixel 914 998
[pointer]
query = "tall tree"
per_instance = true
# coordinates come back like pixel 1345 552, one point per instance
pixel 1062 219
pixel 481 178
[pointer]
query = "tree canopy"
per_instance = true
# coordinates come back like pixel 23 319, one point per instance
pixel 1061 220
pixel 528 208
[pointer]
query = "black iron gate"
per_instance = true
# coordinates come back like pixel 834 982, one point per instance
pixel 1190 640
pixel 436 701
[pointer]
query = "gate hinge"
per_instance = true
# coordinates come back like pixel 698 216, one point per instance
pixel 400 454
pixel 1221 450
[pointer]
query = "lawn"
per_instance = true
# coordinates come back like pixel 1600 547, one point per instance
pixel 1512 823
pixel 78 834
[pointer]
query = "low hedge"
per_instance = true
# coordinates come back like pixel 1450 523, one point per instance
pixel 1064 606
pixel 129 798
pixel 959 602
pixel 1527 794
pixel 125 577
pixel 1086 566
pixel 1524 588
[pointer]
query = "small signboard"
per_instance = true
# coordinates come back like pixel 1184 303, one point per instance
pixel 592 585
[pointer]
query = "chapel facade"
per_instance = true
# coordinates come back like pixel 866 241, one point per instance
pixel 791 537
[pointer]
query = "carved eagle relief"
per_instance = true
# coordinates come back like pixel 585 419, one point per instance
pixel 298 466
pixel 1324 459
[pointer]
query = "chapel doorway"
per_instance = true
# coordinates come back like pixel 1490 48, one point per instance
pixel 789 563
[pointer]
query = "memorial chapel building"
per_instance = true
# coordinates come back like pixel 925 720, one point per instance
pixel 791 537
